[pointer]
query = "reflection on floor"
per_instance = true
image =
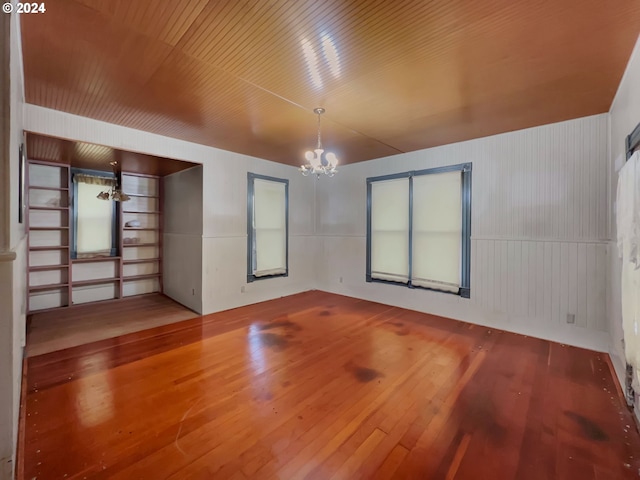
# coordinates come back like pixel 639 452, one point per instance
pixel 59 329
pixel 323 386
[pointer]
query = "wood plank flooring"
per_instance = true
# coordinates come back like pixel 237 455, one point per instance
pixel 64 328
pixel 323 386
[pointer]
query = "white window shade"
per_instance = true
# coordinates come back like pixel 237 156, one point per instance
pixel 390 230
pixel 94 227
pixel 437 231
pixel 270 228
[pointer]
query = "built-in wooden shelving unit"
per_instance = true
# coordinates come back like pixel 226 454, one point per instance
pixel 49 218
pixel 141 246
pixel 55 279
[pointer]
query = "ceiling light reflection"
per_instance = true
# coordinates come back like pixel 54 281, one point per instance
pixel 256 350
pixel 94 396
pixel 312 62
pixel 331 55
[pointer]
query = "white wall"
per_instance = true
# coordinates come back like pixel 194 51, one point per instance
pixel 624 116
pixel 224 216
pixel 539 231
pixel 12 248
pixel 225 236
pixel 182 237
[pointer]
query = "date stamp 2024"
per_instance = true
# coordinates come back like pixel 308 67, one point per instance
pixel 20 7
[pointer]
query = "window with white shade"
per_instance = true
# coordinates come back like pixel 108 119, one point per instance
pixel 390 230
pixel 94 219
pixel 267 227
pixel 419 229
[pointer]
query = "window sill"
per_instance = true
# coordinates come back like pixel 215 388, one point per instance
pixel 463 292
pixel 253 278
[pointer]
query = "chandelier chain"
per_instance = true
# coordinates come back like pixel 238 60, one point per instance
pixel 319 136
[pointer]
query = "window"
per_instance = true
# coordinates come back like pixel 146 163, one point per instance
pixel 94 232
pixel 267 227
pixel 419 229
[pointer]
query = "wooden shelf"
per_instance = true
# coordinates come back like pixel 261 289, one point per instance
pixel 42 249
pixel 53 286
pixel 140 244
pixel 140 260
pixel 40 229
pixel 49 164
pixel 141 277
pixel 43 207
pixel 143 175
pixel 94 281
pixel 142 196
pixel 149 212
pixel 96 259
pixel 43 268
pixel 152 229
pixel 55 189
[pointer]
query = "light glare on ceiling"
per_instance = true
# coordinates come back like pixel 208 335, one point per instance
pixel 331 55
pixel 312 62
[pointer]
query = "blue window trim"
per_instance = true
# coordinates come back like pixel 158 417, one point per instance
pixel 74 212
pixel 250 233
pixel 632 141
pixel 466 169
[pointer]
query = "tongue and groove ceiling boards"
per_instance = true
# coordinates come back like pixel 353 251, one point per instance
pixel 394 75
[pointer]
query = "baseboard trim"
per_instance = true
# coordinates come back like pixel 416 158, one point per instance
pixel 619 382
pixel 587 339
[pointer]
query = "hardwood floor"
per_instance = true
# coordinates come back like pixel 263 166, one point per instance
pixel 59 329
pixel 323 386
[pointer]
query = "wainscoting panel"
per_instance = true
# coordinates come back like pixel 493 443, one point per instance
pixel 541 279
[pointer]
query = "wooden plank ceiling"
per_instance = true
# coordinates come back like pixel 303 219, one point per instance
pixel 393 75
pixel 97 157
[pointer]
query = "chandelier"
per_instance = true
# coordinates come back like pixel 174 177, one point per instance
pixel 318 161
pixel 115 192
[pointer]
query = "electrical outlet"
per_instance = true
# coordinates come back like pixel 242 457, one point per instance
pixel 242 289
pixel 193 291
pixel 340 279
pixel 571 318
